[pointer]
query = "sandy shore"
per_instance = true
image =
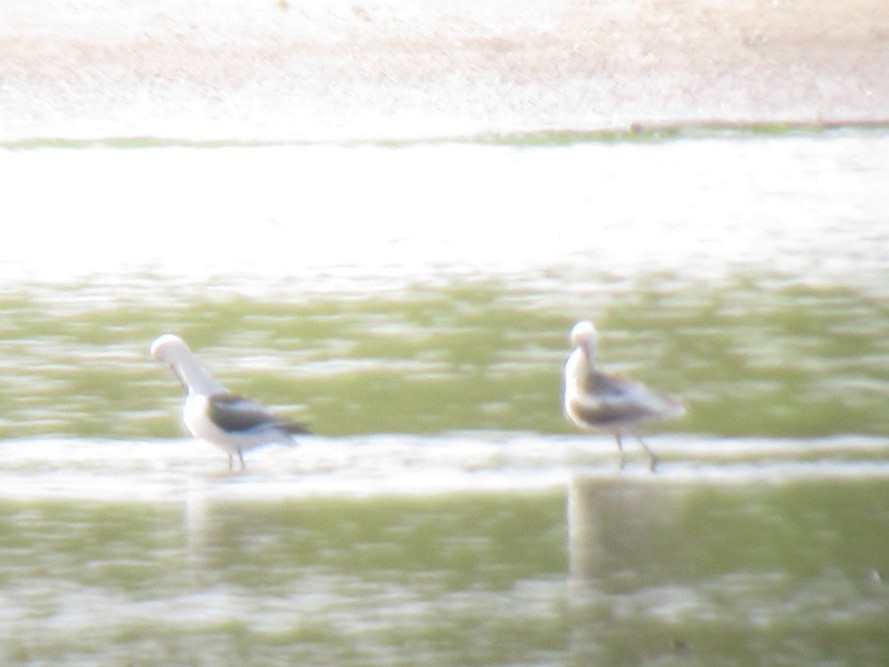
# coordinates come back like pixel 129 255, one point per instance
pixel 361 69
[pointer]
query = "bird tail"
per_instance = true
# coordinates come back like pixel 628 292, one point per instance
pixel 293 428
pixel 671 408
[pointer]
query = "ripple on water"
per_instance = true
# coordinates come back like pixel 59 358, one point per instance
pixel 368 466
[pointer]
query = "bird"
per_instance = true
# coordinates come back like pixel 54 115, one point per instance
pixel 593 400
pixel 229 421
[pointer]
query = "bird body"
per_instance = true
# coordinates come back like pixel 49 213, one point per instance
pixel 233 423
pixel 594 400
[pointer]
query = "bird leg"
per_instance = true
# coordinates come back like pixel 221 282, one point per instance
pixel 231 464
pixel 620 448
pixel 651 455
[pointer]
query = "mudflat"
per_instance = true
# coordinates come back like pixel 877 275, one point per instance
pixel 413 66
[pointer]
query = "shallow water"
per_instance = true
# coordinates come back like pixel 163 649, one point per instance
pixel 429 287
pixel 473 549
pixel 411 303
pixel 561 215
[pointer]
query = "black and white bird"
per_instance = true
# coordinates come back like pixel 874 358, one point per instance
pixel 231 422
pixel 594 400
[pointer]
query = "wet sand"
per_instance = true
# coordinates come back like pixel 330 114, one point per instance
pixel 356 69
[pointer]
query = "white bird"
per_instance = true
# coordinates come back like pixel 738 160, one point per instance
pixel 594 400
pixel 231 422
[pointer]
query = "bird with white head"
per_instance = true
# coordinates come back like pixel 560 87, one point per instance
pixel 594 400
pixel 231 422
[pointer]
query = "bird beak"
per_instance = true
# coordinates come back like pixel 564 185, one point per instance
pixel 178 377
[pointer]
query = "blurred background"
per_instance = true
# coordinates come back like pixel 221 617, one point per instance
pixel 382 219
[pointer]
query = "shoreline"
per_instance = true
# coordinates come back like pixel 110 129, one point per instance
pixel 542 137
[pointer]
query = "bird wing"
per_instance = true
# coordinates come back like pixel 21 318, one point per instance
pixel 612 399
pixel 235 413
pixel 607 412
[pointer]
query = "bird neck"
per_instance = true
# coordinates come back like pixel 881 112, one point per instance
pixel 194 378
pixel 589 354
pixel 578 367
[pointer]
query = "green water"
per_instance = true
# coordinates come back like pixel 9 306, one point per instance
pixel 643 572
pixel 427 291
pixel 782 574
pixel 278 583
pixel 673 569
pixel 751 356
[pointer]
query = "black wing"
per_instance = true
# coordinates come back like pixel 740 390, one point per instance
pixel 613 399
pixel 235 413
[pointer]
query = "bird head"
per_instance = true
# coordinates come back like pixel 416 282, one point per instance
pixel 168 348
pixel 583 333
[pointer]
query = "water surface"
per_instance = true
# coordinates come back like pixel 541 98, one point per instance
pixel 473 549
pixel 411 303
